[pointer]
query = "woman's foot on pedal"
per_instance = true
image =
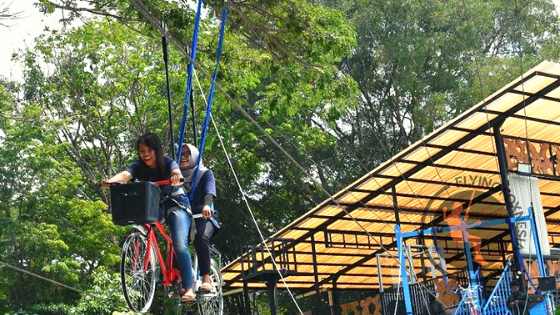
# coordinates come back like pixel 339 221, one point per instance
pixel 187 296
pixel 206 287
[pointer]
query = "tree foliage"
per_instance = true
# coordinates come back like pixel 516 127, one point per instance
pixel 340 85
pixel 419 63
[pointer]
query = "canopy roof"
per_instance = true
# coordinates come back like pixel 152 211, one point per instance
pixel 457 162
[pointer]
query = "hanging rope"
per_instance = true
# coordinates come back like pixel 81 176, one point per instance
pixel 166 63
pixel 207 118
pixel 244 198
pixel 193 121
pixel 60 284
pixel 188 91
pixel 208 115
pixel 152 20
pixel 522 69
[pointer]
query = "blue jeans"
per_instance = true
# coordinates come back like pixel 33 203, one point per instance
pixel 179 224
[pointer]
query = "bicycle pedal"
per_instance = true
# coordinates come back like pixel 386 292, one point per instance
pixel 206 296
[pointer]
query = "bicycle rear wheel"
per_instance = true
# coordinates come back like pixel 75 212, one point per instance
pixel 138 282
pixel 212 303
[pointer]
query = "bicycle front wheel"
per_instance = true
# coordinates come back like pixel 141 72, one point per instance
pixel 212 303
pixel 138 272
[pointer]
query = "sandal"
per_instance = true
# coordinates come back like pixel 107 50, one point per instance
pixel 187 298
pixel 207 287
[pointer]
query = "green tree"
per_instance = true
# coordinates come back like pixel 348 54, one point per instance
pixel 50 227
pixel 419 63
pixel 90 91
pixel 285 93
pixel 332 90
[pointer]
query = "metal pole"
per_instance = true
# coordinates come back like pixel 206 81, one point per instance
pixel 379 274
pixel 423 260
pixel 271 285
pixel 473 278
pixel 395 205
pixel 380 281
pixel 315 272
pixel 404 275
pixel 331 303
pixel 402 261
pixel 547 303
pixel 536 240
pixel 502 163
pixel 336 306
pixel 246 301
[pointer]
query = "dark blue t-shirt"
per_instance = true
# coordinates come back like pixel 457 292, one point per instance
pixel 140 171
pixel 205 186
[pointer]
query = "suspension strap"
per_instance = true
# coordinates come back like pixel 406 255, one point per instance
pixel 166 63
pixel 188 91
pixel 208 113
pixel 193 121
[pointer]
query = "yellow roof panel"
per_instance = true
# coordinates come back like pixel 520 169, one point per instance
pixel 455 163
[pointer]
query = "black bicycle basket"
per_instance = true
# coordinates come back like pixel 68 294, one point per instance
pixel 135 203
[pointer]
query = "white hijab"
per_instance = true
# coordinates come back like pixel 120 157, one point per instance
pixel 191 166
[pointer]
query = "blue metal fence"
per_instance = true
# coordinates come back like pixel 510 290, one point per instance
pixel 421 295
pixel 462 308
pixel 497 303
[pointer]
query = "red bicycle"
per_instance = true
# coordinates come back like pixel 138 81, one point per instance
pixel 141 258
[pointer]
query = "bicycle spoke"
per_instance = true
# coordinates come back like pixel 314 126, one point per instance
pixel 138 284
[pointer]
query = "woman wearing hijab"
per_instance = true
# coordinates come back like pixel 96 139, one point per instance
pixel 200 182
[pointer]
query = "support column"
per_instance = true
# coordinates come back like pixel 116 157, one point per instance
pixel 395 205
pixel 315 275
pixel 474 282
pixel 246 301
pixel 404 275
pixel 421 242
pixel 380 281
pixel 335 308
pixel 402 260
pixel 272 303
pixel 546 306
pixel 536 240
pixel 502 163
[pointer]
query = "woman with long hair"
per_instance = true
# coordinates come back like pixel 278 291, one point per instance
pixel 152 165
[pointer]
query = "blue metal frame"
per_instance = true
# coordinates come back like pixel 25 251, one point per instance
pixel 547 304
pixel 538 249
pixel 473 279
pixel 404 276
pixel 188 88
pixel 497 301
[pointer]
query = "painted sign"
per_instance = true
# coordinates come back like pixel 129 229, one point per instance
pixel 524 194
pixel 542 156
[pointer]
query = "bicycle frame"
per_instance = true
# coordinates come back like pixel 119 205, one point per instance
pixel 170 274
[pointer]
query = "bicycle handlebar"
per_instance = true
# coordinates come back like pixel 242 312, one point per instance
pixel 159 183
pixel 165 182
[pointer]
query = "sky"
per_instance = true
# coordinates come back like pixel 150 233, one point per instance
pixel 20 33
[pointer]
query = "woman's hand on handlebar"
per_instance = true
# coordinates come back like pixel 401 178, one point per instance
pixel 120 178
pixel 206 212
pixel 106 183
pixel 176 180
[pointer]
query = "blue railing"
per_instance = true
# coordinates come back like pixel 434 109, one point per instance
pixel 468 304
pixel 462 308
pixel 497 302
